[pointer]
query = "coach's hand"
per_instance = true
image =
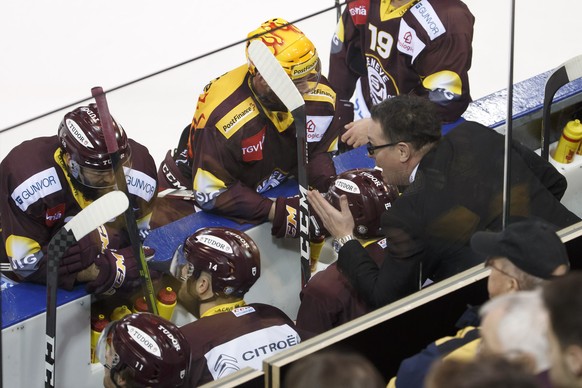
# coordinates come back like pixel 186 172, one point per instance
pixel 338 223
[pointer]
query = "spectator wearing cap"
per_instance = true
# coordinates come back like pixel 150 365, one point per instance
pixel 521 257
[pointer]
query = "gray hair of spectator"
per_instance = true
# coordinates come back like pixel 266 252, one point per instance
pixel 409 119
pixel 523 328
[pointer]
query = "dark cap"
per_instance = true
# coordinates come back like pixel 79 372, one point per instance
pixel 532 246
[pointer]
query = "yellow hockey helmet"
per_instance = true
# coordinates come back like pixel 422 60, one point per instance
pixel 294 51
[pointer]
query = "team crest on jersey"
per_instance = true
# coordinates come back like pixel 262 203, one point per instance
pixel 378 80
pixel 252 147
pixel 54 214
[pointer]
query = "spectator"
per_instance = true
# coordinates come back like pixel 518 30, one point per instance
pixel 491 371
pixel 522 249
pixel 563 300
pixel 516 326
pixel 331 369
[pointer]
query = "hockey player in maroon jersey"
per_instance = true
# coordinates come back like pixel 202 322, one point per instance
pixel 397 47
pixel 144 350
pixel 242 141
pixel 46 181
pixel 218 266
pixel 328 299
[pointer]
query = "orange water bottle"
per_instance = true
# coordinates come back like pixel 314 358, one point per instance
pixel 97 326
pixel 166 302
pixel 569 142
pixel 120 312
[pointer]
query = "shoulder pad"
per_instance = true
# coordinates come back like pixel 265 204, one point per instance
pixel 322 93
pixel 216 92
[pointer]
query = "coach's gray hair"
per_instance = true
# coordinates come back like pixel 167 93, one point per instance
pixel 523 327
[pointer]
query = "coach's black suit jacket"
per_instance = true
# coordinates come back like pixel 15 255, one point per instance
pixel 458 190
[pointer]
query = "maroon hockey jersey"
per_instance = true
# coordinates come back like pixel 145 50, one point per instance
pixel 241 149
pixel 329 300
pixel 37 199
pixel 422 48
pixel 230 337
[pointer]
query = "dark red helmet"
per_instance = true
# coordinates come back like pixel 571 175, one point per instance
pixel 229 255
pixel 368 197
pixel 152 347
pixel 81 135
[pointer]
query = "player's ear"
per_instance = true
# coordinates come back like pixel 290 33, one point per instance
pixel 204 285
pixel 573 357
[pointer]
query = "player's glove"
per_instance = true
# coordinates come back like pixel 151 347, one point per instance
pixel 286 220
pixel 79 257
pixel 118 271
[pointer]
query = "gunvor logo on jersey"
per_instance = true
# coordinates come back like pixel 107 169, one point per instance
pixel 140 184
pixel 237 117
pixel 428 19
pixel 36 187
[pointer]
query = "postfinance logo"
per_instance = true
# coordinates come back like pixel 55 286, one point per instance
pixel 237 117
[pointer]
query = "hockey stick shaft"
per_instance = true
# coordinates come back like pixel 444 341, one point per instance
pixel 131 224
pixel 285 89
pixel 97 213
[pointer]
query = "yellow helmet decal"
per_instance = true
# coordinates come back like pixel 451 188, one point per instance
pixel 294 51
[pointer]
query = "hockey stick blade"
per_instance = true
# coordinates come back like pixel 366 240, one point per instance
pixel 563 74
pixel 274 75
pixel 280 83
pixel 106 208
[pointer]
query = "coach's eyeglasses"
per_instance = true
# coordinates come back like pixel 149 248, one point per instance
pixel 372 148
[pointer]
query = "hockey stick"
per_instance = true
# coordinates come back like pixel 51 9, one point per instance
pixel 285 89
pixel 97 213
pixel 568 71
pixel 131 224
